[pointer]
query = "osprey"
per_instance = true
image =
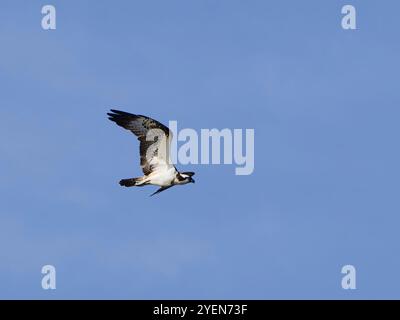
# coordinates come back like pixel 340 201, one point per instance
pixel 155 141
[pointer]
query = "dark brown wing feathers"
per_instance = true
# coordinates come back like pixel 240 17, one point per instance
pixel 139 125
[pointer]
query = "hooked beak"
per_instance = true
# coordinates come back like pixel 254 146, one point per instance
pixel 192 180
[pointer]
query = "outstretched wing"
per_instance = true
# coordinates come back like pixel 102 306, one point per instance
pixel 154 137
pixel 160 190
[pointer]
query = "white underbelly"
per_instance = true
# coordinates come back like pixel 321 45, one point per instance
pixel 163 178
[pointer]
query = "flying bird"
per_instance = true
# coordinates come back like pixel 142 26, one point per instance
pixel 155 142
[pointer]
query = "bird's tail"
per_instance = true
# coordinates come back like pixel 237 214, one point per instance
pixel 131 182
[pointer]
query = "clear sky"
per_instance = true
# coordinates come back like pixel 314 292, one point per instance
pixel 324 103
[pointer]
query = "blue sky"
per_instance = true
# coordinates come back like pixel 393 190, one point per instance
pixel 324 105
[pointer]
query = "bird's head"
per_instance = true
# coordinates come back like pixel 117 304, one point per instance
pixel 186 177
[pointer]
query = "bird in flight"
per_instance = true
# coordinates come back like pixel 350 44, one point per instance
pixel 155 141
